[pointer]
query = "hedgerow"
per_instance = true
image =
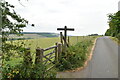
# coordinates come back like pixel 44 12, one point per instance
pixel 75 56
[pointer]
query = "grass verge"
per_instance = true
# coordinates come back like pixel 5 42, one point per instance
pixel 76 55
pixel 115 40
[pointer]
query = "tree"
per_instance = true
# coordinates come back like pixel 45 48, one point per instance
pixel 114 25
pixel 8 27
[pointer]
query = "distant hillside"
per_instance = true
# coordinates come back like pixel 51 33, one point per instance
pixel 43 34
pixel 32 35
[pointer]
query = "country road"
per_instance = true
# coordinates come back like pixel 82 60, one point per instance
pixel 104 62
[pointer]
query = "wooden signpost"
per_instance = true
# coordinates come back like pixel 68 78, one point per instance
pixel 65 33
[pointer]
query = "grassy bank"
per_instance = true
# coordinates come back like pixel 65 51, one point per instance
pixel 76 55
pixel 115 40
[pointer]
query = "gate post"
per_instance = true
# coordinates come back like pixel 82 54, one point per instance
pixel 39 56
pixel 27 57
pixel 56 52
pixel 59 50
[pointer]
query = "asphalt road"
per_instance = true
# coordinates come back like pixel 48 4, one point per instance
pixel 104 62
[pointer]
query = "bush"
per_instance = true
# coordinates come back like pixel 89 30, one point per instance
pixel 26 69
pixel 22 71
pixel 74 56
pixel 118 36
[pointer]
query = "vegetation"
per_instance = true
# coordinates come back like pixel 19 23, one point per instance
pixel 81 43
pixel 116 40
pixel 114 25
pixel 44 34
pixel 75 55
pixel 22 71
pixel 10 50
pixel 43 43
pixel 8 27
pixel 93 35
pixel 15 63
pixel 47 42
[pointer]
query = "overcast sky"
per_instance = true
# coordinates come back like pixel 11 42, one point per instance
pixel 86 16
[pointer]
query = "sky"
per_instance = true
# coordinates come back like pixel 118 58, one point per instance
pixel 85 16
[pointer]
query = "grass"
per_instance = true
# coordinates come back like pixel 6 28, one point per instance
pixel 42 43
pixel 33 44
pixel 14 61
pixel 115 40
pixel 45 43
pixel 76 54
pixel 78 42
pixel 74 39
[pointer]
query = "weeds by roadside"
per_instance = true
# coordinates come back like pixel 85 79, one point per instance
pixel 116 40
pixel 75 56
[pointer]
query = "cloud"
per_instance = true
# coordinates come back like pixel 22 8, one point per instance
pixel 86 16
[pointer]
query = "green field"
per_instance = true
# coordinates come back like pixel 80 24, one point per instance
pixel 45 43
pixel 48 42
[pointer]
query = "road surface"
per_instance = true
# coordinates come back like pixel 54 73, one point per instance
pixel 104 62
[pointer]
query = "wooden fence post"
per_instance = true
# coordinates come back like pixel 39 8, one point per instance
pixel 39 56
pixel 56 53
pixel 68 40
pixel 59 50
pixel 61 37
pixel 27 57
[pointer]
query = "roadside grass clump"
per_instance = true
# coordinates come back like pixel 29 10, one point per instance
pixel 75 56
pixel 116 40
